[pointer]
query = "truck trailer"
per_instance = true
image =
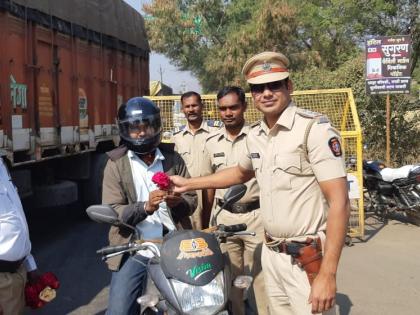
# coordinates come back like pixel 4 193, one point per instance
pixel 65 67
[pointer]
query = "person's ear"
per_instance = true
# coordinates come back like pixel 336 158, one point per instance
pixel 290 86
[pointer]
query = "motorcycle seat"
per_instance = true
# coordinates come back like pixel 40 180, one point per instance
pixel 390 174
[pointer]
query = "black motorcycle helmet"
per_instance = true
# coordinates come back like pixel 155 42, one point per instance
pixel 139 125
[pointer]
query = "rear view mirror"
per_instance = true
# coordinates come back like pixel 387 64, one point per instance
pixel 234 194
pixel 103 214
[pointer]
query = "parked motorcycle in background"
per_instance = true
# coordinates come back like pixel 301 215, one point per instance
pixel 391 190
pixel 188 272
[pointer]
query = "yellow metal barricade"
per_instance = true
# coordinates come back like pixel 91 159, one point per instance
pixel 337 104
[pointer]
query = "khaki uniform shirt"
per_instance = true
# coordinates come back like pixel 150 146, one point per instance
pixel 292 203
pixel 191 146
pixel 221 153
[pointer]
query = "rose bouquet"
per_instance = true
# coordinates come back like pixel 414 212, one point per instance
pixel 38 293
pixel 162 181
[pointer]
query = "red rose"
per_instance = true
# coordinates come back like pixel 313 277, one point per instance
pixel 161 180
pixel 49 279
pixel 46 283
pixel 32 295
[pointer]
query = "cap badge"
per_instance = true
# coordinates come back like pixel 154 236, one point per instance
pixel 266 66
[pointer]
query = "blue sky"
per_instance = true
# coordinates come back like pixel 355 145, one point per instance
pixel 177 80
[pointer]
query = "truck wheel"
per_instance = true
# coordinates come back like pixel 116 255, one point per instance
pixel 92 188
pixel 63 192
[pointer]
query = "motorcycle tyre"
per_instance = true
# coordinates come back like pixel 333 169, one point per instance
pixel 383 216
pixel 348 241
pixel 148 311
pixel 367 201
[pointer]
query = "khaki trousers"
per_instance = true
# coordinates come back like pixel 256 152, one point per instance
pixel 287 285
pixel 12 292
pixel 244 253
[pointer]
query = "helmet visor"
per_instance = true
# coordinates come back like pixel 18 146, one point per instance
pixel 140 127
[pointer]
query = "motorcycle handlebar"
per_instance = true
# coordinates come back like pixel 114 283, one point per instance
pixel 113 249
pixel 234 228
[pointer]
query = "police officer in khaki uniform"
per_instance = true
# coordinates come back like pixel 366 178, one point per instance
pixel 223 149
pixel 297 159
pixel 189 143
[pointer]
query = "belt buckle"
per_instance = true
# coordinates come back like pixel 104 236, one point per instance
pixel 237 208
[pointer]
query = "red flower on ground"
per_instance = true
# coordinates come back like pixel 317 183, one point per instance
pixel 49 279
pixel 32 295
pixel 162 180
pixel 42 291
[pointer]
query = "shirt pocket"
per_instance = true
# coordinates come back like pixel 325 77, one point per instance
pixel 186 156
pixel 285 168
pixel 257 164
pixel 219 162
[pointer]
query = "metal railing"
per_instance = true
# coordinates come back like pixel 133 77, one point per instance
pixel 337 104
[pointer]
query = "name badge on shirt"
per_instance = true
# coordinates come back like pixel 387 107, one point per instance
pixel 220 154
pixel 255 155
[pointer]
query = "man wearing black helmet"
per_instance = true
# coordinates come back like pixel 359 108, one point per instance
pixel 128 188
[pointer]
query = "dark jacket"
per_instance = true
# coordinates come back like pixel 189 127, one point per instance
pixel 119 192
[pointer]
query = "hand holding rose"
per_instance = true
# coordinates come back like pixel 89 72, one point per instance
pixel 163 194
pixel 162 181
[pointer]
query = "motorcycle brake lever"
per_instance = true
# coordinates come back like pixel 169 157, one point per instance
pixel 105 257
pixel 245 233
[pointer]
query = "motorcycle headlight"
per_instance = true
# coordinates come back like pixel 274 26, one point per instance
pixel 200 300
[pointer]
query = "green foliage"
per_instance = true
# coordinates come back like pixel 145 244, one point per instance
pixel 322 38
pixel 405 118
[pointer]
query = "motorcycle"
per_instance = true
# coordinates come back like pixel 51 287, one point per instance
pixel 188 272
pixel 390 190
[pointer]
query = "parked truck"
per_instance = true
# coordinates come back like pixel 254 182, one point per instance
pixel 65 67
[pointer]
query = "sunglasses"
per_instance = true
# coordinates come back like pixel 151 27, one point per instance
pixel 272 86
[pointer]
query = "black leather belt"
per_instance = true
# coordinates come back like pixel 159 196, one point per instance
pixel 291 248
pixel 241 207
pixel 10 266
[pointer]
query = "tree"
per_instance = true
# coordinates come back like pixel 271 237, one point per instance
pixel 323 39
pixel 405 118
pixel 213 38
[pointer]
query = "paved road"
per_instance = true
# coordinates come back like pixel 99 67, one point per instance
pixel 68 250
pixel 380 276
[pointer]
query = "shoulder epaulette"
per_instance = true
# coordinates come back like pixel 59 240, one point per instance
pixel 178 129
pixel 320 118
pixel 212 135
pixel 307 113
pixel 214 123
